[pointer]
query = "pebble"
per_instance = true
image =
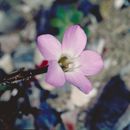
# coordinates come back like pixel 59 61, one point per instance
pixel 6 96
pixel 23 57
pixel 78 98
pixel 118 3
pixel 6 63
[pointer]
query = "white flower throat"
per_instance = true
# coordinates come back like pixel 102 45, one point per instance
pixel 67 64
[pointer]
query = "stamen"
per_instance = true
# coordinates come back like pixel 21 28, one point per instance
pixel 68 63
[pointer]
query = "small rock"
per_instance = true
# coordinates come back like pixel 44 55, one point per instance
pixel 26 122
pixel 6 63
pixel 36 4
pixel 118 3
pixel 9 42
pixel 23 57
pixel 6 96
pixel 11 21
pixel 80 99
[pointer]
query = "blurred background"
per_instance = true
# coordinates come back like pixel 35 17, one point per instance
pixel 31 105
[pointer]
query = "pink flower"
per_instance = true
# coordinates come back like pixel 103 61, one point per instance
pixel 68 62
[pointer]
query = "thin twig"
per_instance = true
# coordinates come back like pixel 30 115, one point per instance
pixel 22 75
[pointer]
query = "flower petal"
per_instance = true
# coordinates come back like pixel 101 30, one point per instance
pixel 49 46
pixel 74 40
pixel 91 62
pixel 55 75
pixel 79 80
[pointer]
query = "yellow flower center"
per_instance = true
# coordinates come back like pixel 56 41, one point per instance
pixel 65 63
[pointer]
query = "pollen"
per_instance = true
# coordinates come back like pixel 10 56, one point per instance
pixel 65 63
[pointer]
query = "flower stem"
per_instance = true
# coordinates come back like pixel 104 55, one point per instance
pixel 22 75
